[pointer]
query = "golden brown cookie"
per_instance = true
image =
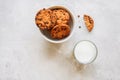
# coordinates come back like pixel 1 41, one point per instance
pixel 45 19
pixel 63 16
pixel 60 31
pixel 53 19
pixel 88 22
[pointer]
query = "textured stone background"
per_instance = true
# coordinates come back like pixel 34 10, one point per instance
pixel 25 55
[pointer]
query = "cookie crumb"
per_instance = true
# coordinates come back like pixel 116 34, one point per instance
pixel 79 26
pixel 78 16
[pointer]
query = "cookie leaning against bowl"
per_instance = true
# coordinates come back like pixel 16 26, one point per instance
pixel 45 19
pixel 60 31
pixel 63 16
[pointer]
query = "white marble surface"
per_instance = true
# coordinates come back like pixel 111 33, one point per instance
pixel 25 55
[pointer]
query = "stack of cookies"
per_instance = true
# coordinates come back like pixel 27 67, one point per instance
pixel 54 20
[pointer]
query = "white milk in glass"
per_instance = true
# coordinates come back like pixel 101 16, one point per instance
pixel 85 52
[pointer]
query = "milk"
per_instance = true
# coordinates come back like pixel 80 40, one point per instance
pixel 85 52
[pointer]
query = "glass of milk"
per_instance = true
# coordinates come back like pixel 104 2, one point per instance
pixel 85 52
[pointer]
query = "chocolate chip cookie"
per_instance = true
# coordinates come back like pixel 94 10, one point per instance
pixel 45 19
pixel 60 31
pixel 63 16
pixel 88 22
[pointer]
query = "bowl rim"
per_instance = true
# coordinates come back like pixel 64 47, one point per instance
pixel 72 30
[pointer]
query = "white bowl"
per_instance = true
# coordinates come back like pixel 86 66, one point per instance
pixel 46 33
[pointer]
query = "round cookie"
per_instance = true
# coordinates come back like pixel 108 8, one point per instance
pixel 45 19
pixel 63 16
pixel 60 31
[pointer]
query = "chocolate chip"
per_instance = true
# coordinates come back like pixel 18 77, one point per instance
pixel 37 24
pixel 55 29
pixel 35 18
pixel 38 13
pixel 63 28
pixel 40 19
pixel 52 22
pixel 49 12
pixel 43 8
pixel 46 22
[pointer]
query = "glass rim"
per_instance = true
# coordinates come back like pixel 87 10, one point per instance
pixel 96 54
